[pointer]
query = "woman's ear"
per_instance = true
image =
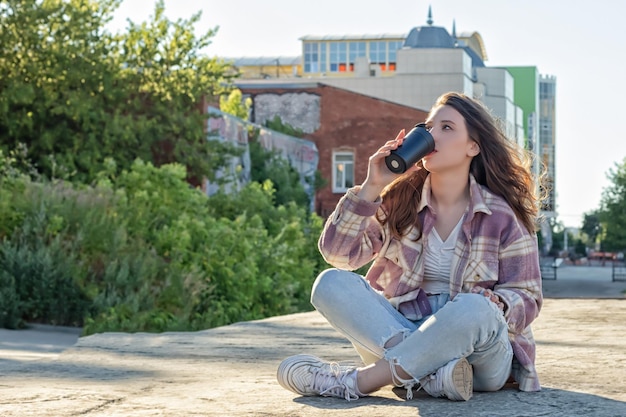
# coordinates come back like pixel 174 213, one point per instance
pixel 474 149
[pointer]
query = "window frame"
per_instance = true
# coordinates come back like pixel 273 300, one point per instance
pixel 342 189
pixel 311 54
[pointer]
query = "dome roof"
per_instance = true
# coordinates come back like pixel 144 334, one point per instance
pixel 438 37
pixel 429 37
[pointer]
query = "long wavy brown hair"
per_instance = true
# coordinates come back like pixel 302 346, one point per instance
pixel 502 166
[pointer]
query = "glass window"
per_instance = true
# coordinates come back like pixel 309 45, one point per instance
pixel 393 47
pixel 311 57
pixel 378 52
pixel 546 89
pixel 356 50
pixel 338 56
pixel 343 171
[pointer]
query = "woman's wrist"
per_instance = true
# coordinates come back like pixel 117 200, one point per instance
pixel 369 192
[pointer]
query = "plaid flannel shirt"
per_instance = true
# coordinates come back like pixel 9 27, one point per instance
pixel 494 250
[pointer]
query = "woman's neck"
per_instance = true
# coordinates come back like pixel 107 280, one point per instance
pixel 449 191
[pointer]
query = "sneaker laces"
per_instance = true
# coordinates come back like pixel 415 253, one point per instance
pixel 433 384
pixel 334 382
pixel 407 384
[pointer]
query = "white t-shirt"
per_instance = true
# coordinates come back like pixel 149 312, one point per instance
pixel 438 261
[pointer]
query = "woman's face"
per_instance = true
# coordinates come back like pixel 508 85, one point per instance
pixel 453 147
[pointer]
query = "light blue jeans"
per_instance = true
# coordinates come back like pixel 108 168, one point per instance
pixel 469 326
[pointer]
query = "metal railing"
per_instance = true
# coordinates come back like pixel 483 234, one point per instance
pixel 548 268
pixel 619 271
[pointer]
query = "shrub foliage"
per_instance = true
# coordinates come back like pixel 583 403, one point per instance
pixel 144 251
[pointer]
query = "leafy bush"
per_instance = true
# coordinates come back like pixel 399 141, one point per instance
pixel 44 286
pixel 269 165
pixel 9 303
pixel 42 273
pixel 143 251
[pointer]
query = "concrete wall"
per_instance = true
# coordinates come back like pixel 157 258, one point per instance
pixel 300 110
pixel 433 61
pixel 498 95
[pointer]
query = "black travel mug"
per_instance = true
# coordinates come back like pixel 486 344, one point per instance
pixel 417 144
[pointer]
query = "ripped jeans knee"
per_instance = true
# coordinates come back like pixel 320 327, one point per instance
pixel 360 313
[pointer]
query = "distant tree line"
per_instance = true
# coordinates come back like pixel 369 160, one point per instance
pixel 606 226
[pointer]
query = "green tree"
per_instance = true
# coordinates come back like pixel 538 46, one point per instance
pixel 592 227
pixel 75 93
pixel 269 165
pixel 164 62
pixel 54 75
pixel 234 104
pixel 613 211
pixel 558 231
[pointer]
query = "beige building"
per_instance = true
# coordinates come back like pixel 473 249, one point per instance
pixel 411 69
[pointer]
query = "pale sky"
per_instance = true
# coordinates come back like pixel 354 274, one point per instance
pixel 582 43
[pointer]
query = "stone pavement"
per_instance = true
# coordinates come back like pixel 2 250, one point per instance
pixel 36 342
pixel 230 371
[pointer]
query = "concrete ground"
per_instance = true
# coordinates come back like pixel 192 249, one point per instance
pixel 230 371
pixel 36 342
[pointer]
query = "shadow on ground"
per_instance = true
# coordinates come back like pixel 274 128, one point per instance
pixel 507 402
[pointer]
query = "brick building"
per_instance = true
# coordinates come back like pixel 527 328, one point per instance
pixel 347 127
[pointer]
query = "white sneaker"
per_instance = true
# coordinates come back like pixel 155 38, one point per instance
pixel 308 375
pixel 454 380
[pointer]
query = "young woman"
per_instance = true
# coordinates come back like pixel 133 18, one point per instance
pixel 455 284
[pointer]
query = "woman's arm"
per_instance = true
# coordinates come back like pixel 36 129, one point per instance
pixel 352 235
pixel 519 281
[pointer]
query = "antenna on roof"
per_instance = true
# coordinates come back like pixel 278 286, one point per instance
pixel 454 29
pixel 430 16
